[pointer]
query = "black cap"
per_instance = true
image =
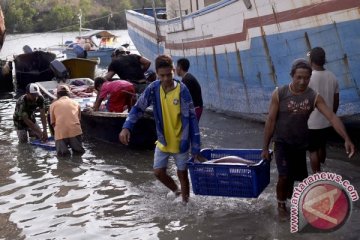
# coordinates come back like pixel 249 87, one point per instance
pixel 300 63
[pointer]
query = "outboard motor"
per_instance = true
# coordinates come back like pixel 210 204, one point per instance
pixel 150 76
pixel 79 51
pixel 27 49
pixel 68 42
pixel 60 71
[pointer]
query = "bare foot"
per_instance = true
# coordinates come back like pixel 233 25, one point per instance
pixel 173 195
pixel 283 213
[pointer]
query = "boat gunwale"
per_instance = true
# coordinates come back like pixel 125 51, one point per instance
pixel 86 111
pixel 203 11
pixel 96 32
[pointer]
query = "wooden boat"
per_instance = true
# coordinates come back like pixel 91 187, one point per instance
pixel 97 43
pixel 32 67
pixel 6 78
pixel 80 67
pixel 36 67
pixel 240 51
pixel 2 28
pixel 106 126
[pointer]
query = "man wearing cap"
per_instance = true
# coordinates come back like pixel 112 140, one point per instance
pixel 324 82
pixel 65 118
pixel 24 115
pixel 130 67
pixel 120 51
pixel 289 111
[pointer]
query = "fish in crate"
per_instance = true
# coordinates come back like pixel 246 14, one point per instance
pixel 229 173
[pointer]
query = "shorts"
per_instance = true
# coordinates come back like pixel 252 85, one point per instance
pixel 62 145
pixel 290 161
pixel 161 159
pixel 318 138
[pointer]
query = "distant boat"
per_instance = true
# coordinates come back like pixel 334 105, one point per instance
pixel 97 43
pixel 241 50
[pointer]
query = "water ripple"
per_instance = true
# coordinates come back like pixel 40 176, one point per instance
pixel 110 192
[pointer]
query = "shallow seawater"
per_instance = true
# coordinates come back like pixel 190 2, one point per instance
pixel 111 193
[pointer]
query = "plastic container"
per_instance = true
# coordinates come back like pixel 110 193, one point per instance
pixel 230 180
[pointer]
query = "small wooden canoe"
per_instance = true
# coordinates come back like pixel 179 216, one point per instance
pixel 106 126
pixel 2 28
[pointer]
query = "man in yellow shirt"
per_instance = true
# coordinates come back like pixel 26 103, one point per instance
pixel 65 118
pixel 176 125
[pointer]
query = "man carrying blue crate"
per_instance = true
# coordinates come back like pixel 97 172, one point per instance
pixel 289 111
pixel 176 125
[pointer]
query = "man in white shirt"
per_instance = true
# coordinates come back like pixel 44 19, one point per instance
pixel 324 82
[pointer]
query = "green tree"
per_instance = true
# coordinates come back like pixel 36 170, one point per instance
pixel 85 6
pixel 19 15
pixel 59 17
pixel 47 15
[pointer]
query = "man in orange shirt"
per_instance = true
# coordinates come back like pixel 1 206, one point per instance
pixel 65 118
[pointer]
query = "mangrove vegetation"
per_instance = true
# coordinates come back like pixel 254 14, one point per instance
pixel 25 16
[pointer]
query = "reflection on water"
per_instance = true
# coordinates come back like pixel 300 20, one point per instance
pixel 111 193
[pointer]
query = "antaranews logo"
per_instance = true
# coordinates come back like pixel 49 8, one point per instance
pixel 321 203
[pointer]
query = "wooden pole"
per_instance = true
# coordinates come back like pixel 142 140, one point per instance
pixel 80 23
pixel 181 19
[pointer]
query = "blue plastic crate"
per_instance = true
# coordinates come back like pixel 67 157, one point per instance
pixel 230 180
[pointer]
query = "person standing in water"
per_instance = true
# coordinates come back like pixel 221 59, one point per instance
pixel 191 83
pixel 24 114
pixel 129 67
pixel 324 82
pixel 65 117
pixel 176 125
pixel 289 111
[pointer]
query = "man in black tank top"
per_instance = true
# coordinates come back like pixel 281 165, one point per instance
pixel 129 67
pixel 289 111
pixel 192 84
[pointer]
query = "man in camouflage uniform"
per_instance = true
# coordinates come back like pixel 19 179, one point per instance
pixel 24 117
